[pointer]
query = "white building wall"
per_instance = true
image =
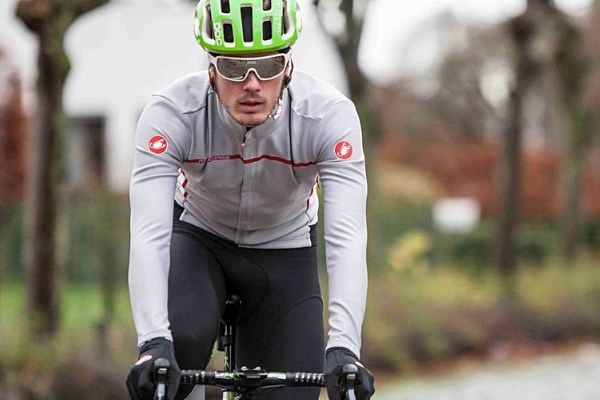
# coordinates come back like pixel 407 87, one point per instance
pixel 123 52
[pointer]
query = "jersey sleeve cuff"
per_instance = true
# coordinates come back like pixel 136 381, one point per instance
pixel 153 335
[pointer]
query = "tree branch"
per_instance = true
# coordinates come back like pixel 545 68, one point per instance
pixel 33 13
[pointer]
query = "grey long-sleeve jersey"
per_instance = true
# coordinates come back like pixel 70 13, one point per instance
pixel 254 187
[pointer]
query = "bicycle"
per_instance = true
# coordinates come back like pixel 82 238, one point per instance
pixel 244 383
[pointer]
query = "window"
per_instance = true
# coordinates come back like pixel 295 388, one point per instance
pixel 85 153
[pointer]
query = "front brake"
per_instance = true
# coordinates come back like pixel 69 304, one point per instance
pixel 161 369
pixel 348 384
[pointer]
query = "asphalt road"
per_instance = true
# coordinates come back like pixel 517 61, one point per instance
pixel 575 376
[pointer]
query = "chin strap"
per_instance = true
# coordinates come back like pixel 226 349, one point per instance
pixel 286 81
pixel 277 110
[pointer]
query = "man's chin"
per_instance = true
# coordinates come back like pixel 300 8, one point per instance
pixel 250 119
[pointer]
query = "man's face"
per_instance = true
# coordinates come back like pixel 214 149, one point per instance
pixel 251 101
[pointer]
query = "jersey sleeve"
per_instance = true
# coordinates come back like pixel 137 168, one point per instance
pixel 341 165
pixel 162 143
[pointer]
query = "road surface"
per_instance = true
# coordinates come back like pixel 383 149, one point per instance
pixel 575 376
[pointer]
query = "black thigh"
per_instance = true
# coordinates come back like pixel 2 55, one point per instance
pixel 281 316
pixel 282 330
pixel 196 296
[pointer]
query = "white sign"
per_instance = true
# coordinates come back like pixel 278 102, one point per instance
pixel 458 215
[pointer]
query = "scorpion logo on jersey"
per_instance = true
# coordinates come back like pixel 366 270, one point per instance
pixel 343 150
pixel 157 144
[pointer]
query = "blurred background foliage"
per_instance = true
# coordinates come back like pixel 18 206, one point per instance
pixel 434 294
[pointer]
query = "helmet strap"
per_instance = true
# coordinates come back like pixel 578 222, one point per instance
pixel 211 78
pixel 286 81
pixel 288 77
pixel 277 110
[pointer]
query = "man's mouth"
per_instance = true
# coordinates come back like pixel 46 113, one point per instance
pixel 250 105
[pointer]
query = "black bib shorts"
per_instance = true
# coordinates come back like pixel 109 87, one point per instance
pixel 281 315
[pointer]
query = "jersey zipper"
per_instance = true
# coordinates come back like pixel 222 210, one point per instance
pixel 240 237
pixel 244 138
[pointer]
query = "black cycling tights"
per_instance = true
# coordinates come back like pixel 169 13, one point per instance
pixel 281 315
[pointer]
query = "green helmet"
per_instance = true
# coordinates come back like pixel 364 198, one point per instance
pixel 246 26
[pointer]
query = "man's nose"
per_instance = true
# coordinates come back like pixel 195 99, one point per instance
pixel 252 82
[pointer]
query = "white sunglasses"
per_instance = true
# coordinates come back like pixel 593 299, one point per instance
pixel 236 69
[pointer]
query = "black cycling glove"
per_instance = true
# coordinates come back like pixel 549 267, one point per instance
pixel 336 358
pixel 140 381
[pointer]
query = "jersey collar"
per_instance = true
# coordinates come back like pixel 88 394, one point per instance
pixel 275 120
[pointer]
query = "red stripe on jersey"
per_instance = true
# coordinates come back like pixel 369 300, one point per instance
pixel 250 161
pixel 214 158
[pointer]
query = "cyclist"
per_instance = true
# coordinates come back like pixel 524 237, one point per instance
pixel 240 148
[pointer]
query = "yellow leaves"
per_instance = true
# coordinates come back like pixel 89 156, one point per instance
pixel 410 251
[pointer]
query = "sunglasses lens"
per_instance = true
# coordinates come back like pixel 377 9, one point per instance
pixel 236 69
pixel 231 68
pixel 271 67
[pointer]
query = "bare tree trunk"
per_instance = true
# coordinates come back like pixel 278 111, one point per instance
pixel 40 260
pixel 505 253
pixel 572 215
pixel 524 30
pixel 49 20
pixel 572 68
pixel 543 34
pixel 107 244
pixel 348 48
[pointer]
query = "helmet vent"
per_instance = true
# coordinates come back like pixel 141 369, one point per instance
pixel 286 19
pixel 225 6
pixel 247 24
pixel 266 5
pixel 228 32
pixel 267 30
pixel 208 25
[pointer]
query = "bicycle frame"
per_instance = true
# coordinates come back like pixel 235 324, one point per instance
pixel 227 336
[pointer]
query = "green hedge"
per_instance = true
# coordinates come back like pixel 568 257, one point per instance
pixel 392 220
pixel 81 359
pixel 91 233
pixel 432 313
